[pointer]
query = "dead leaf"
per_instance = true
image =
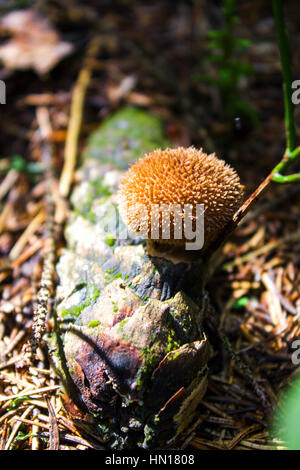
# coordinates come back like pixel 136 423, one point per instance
pixel 117 93
pixel 34 43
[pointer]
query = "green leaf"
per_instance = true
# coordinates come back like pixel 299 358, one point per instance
pixel 16 402
pixel 242 302
pixel 23 437
pixel 225 77
pixel 286 421
pixel 215 34
pixel 18 163
pixel 243 43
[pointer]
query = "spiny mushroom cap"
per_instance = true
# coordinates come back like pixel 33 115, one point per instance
pixel 180 176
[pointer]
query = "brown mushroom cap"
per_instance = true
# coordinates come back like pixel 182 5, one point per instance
pixel 180 176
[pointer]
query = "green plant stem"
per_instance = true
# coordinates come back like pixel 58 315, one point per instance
pixel 278 178
pixel 292 152
pixel 285 56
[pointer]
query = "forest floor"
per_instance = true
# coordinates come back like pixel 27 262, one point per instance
pixel 149 56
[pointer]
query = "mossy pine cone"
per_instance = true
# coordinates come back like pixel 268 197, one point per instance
pixel 132 352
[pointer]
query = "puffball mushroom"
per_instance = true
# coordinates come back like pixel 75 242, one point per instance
pixel 182 176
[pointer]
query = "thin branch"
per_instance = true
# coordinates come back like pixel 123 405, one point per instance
pixel 284 49
pixel 53 427
pixel 27 234
pixel 41 305
pixel 238 216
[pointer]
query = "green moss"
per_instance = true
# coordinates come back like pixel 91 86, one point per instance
pixel 92 295
pixel 172 343
pixel 154 354
pixel 110 241
pixel 93 323
pixel 100 189
pixel 181 315
pixel 104 430
pixel 122 323
pixel 173 355
pixel 91 216
pixel 95 294
pixel 73 311
pixel 150 360
pixel 123 137
pixel 111 275
pixel 83 201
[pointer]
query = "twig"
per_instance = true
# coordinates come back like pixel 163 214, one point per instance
pixel 19 336
pixel 10 362
pixel 27 234
pixel 253 445
pixel 276 200
pixel 45 290
pixel 17 427
pixel 8 182
pixel 35 444
pixel 53 427
pixel 4 435
pixel 237 217
pixel 30 421
pixel 241 435
pixel 263 250
pixel 46 285
pixel 216 410
pixel 4 216
pixel 30 392
pixel 245 369
pixel 10 413
pixel 27 253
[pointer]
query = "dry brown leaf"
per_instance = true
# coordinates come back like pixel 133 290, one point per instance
pixel 117 92
pixel 34 43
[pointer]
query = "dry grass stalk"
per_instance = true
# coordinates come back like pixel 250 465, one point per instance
pixel 75 121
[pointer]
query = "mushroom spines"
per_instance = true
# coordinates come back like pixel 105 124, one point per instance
pixel 179 177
